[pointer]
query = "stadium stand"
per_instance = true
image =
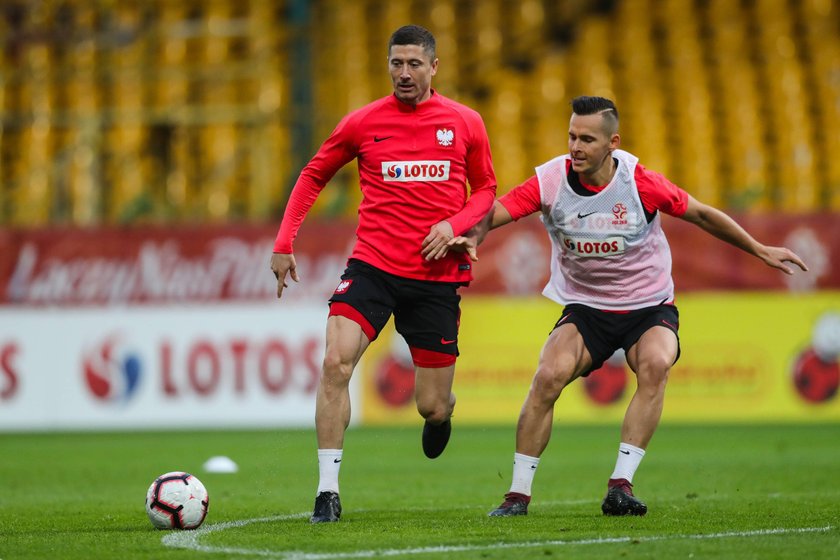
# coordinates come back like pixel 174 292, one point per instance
pixel 133 111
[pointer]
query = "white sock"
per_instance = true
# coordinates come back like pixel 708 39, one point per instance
pixel 629 457
pixel 524 468
pixel 329 462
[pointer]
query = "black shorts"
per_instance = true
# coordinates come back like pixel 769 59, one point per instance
pixel 604 332
pixel 427 314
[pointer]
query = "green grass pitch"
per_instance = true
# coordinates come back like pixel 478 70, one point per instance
pixel 712 492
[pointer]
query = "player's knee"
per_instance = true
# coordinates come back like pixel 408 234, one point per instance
pixel 653 375
pixel 434 412
pixel 660 364
pixel 337 369
pixel 549 382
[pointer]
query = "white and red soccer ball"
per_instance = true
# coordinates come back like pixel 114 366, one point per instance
pixel 177 500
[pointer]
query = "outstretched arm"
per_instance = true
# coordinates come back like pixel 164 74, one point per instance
pixel 723 227
pixel 497 217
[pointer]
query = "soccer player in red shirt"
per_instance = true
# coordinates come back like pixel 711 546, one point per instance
pixel 416 151
pixel 611 268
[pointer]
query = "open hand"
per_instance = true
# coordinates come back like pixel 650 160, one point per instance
pixel 464 244
pixel 778 256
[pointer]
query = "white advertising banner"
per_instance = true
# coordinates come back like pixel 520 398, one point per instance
pixel 218 365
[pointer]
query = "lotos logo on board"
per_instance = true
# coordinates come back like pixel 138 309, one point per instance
pixel 405 171
pixel 111 371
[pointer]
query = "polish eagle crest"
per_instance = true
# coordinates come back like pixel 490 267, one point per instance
pixel 445 136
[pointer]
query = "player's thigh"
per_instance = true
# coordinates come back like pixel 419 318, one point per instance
pixel 433 386
pixel 428 317
pixel 345 344
pixel 563 358
pixel 364 295
pixel 654 353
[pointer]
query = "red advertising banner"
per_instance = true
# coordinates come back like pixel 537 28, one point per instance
pixel 140 265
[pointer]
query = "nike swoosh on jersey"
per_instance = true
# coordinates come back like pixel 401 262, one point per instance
pixel 381 138
pixel 444 341
pixel 582 216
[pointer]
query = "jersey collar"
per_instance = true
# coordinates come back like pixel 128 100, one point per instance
pixel 432 101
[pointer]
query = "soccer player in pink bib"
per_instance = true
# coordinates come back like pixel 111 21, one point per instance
pixel 417 152
pixel 611 269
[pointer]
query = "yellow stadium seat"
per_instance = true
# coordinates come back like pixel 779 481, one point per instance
pixel 187 102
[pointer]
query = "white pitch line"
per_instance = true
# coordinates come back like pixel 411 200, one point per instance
pixel 190 540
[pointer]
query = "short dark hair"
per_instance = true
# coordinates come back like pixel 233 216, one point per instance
pixel 592 105
pixel 414 35
pixel 589 105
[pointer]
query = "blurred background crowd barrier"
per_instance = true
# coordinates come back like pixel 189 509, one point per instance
pixel 127 111
pixel 148 147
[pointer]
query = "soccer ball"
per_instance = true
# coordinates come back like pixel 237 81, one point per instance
pixel 177 500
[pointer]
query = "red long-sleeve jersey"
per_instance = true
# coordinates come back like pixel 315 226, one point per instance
pixel 414 167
